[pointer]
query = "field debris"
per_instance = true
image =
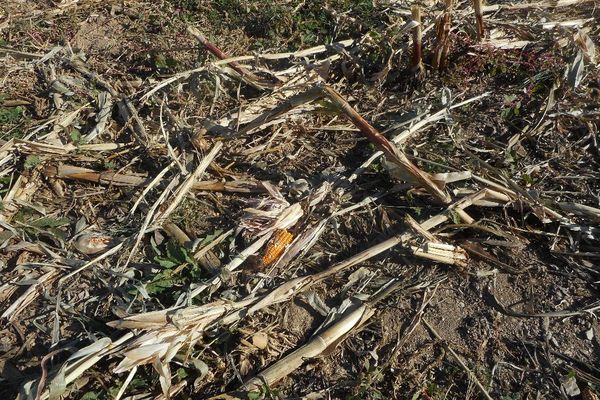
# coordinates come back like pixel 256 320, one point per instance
pixel 247 200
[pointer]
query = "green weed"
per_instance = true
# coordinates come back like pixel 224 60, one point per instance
pixel 75 136
pixel 32 161
pixel 512 107
pixel 264 392
pixel 37 227
pixel 11 115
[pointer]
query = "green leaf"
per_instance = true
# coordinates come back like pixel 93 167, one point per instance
pixel 11 115
pixel 163 62
pixel 138 382
pixel 175 251
pixel 209 238
pixel 109 165
pixel 182 373
pixel 165 262
pixel 179 254
pixel 49 222
pixel 89 396
pixel 32 161
pixel 528 179
pixel 75 136
pixel 154 246
pixel 254 395
pixel 58 234
pixel 161 281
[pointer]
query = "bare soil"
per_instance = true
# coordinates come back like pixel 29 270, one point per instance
pixel 520 313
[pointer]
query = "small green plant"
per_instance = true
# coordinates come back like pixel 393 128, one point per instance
pixel 367 389
pixel 35 227
pixel 176 267
pixel 75 136
pixel 11 115
pixel 175 255
pixel 137 383
pixel 512 107
pixel 90 396
pixel 164 62
pixel 4 186
pixel 264 392
pixel 182 373
pixel 528 180
pixel 32 161
pixel 434 390
pixel 432 168
pixel 254 395
pixel 514 396
pixel 107 164
pixel 377 167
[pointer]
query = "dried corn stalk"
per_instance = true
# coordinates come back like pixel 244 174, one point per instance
pixel 442 33
pixel 71 369
pixel 64 171
pixel 416 64
pixel 247 76
pixel 440 252
pixel 478 6
pixel 350 321
pixel 356 313
pixel 105 104
pixel 169 331
pixel 30 295
pixel 406 168
pixel 126 107
pixel 21 192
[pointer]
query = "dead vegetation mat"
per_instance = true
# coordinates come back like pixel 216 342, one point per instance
pixel 299 199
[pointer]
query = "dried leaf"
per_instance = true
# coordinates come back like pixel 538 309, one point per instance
pixel 574 72
pixel 260 340
pixel 360 275
pixel 164 375
pixel 570 386
pixel 317 303
pixel 201 366
pixel 58 385
pixel 93 243
pixel 586 45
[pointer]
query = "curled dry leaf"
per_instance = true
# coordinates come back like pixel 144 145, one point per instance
pixel 574 72
pixel 93 243
pixel 260 340
pixel 585 43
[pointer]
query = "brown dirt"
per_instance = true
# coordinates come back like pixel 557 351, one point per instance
pixel 501 313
